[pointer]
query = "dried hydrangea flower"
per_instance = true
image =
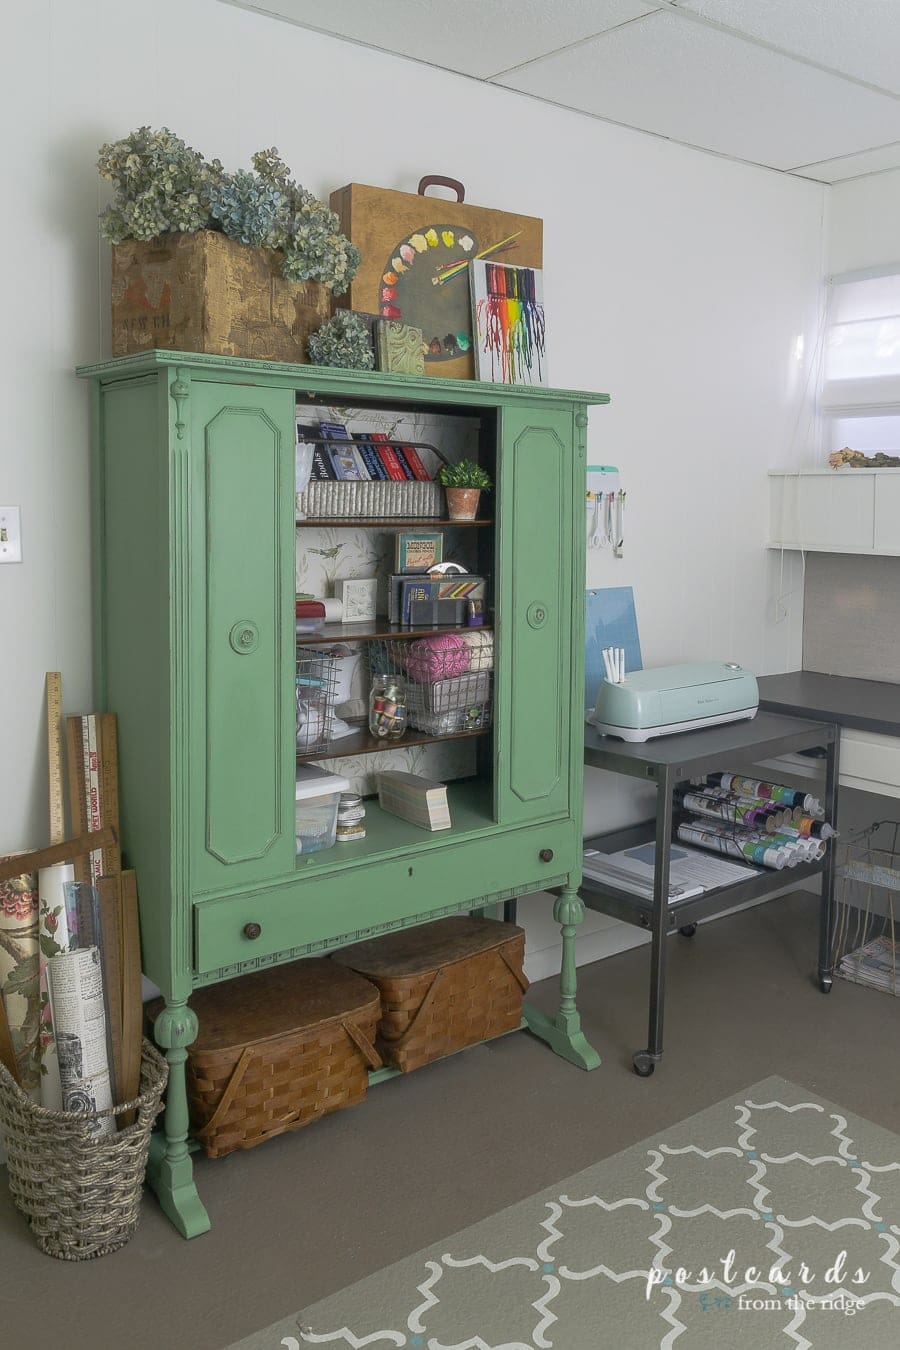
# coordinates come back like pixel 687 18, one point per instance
pixel 163 186
pixel 342 341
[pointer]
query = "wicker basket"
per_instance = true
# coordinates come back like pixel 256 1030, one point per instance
pixel 277 1049
pixel 80 1193
pixel 444 985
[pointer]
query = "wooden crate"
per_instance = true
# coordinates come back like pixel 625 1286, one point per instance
pixel 405 239
pixel 444 986
pixel 206 293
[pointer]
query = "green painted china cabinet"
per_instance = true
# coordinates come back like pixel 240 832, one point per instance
pixel 198 554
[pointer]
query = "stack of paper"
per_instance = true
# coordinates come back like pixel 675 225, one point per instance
pixel 876 964
pixel 691 872
pixel 419 800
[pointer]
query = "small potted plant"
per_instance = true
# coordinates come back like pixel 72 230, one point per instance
pixel 464 483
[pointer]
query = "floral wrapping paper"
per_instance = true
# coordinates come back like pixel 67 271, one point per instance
pixel 20 975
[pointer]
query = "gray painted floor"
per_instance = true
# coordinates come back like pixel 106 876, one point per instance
pixel 426 1155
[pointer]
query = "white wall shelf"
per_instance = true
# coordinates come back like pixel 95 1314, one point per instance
pixel 835 511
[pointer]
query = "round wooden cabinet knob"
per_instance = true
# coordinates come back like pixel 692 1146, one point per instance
pixel 546 855
pixel 252 930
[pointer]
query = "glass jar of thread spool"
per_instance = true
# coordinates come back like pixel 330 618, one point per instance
pixel 387 709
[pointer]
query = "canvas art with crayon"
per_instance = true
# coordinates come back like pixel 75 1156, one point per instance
pixel 509 328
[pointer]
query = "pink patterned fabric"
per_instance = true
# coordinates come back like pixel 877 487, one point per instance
pixel 438 658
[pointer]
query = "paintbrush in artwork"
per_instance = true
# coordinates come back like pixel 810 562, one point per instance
pixel 451 270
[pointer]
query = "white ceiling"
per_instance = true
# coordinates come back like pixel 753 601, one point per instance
pixel 809 87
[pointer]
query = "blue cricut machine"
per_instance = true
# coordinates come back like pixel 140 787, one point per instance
pixel 650 703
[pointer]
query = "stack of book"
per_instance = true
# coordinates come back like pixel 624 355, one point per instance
pixel 419 800
pixel 364 457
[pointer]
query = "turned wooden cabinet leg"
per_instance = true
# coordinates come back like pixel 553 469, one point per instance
pixel 170 1171
pixel 563 1033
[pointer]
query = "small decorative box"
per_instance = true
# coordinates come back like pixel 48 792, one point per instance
pixel 358 597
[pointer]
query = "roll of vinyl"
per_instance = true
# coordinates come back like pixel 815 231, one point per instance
pixel 334 610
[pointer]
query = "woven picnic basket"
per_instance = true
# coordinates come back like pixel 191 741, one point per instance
pixel 443 986
pixel 277 1049
pixel 80 1192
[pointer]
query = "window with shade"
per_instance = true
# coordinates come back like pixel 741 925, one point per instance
pixel 861 368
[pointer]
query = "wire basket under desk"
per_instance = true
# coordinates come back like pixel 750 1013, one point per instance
pixel 867 907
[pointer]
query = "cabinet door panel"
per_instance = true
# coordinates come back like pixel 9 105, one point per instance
pixel 534 604
pixel 243 451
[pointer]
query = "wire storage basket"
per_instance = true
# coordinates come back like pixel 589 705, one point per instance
pixel 80 1190
pixel 866 945
pixel 448 679
pixel 330 499
pixel 317 677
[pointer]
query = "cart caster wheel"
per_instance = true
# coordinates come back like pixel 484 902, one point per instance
pixel 825 983
pixel 644 1065
pixel 688 930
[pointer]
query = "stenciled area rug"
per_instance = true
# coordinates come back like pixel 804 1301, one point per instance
pixel 769 1220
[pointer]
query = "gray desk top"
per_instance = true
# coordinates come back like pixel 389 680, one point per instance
pixel 869 705
pixel 689 752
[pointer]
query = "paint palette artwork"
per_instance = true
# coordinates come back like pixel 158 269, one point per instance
pixel 417 253
pixel 424 284
pixel 508 315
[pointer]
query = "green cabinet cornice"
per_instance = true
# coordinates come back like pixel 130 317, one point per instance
pixel 325 380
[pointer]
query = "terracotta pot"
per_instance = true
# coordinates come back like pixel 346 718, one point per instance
pixel 462 503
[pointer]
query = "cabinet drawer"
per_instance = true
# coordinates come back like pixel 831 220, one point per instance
pixel 870 762
pixel 360 896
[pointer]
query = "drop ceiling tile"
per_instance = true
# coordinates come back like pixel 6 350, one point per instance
pixel 699 85
pixel 469 36
pixel 859 37
pixel 851 166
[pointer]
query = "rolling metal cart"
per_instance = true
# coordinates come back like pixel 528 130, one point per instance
pixel 668 761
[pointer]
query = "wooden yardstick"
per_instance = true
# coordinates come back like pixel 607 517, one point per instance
pixel 55 755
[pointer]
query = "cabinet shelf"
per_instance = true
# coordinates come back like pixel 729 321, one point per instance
pixel 471 813
pixel 379 628
pixel 364 743
pixel 388 522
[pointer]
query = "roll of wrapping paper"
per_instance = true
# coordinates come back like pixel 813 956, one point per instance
pixel 19 974
pixel 747 811
pixel 794 850
pixel 75 982
pixel 786 814
pixel 776 792
pixel 54 939
pixel 809 850
pixel 807 828
pixel 730 843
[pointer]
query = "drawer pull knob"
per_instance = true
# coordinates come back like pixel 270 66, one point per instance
pixel 252 930
pixel 546 855
pixel 244 637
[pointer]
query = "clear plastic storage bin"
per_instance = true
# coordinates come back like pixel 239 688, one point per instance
pixel 318 795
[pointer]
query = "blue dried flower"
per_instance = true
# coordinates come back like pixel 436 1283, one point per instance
pixel 247 208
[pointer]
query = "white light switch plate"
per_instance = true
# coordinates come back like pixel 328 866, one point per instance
pixel 10 534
